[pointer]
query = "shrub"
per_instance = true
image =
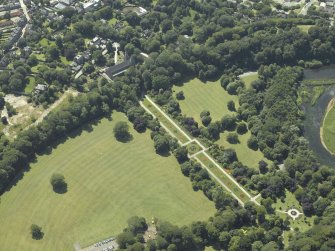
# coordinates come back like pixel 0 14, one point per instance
pixel 232 138
pixel 121 131
pixel 36 232
pixel 58 183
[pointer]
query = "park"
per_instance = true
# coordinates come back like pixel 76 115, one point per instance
pixel 108 181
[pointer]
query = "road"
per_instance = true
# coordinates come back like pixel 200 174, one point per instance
pixel 305 8
pixel 204 152
pixel 25 10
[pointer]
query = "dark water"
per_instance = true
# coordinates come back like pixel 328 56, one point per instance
pixel 314 116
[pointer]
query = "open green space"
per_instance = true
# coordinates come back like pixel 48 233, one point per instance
pixel 244 154
pixel 64 60
pixel 40 57
pixel 45 42
pixel 249 78
pixel 31 85
pixel 177 133
pixel 211 96
pixel 305 27
pixel 328 128
pixel 302 223
pixel 108 181
pixel 200 96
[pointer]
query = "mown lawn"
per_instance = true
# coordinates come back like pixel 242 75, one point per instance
pixel 201 96
pixel 305 28
pixel 249 78
pixel 244 154
pixel 328 130
pixel 108 182
pixel 45 42
pixel 30 86
pixel 211 96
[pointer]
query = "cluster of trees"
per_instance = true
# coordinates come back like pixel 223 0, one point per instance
pixel 14 80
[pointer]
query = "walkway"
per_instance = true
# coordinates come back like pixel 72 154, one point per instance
pixel 213 168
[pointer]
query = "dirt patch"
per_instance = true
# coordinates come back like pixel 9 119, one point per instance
pixel 150 234
pixel 26 114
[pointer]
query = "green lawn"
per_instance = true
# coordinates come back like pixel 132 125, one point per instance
pixel 211 96
pixel 45 42
pixel 201 96
pixel 305 28
pixel 303 223
pixel 249 78
pixel 30 86
pixel 245 155
pixel 108 182
pixel 40 57
pixel 328 129
pixel 64 60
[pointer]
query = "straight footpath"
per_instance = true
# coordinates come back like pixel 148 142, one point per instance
pixel 214 169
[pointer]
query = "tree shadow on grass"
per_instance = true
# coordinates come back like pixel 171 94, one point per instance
pixel 125 139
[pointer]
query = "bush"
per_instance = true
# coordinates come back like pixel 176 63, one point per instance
pixel 252 143
pixel 36 232
pixel 232 138
pixel 58 183
pixel 180 95
pixel 241 128
pixel 181 154
pixel 121 131
pixel 231 106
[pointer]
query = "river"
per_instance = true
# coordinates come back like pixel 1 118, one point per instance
pixel 314 114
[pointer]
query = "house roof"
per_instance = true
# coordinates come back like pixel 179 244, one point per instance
pixel 115 69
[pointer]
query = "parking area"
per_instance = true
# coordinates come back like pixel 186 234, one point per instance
pixel 105 245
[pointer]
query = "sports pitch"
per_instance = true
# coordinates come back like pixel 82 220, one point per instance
pixel 108 182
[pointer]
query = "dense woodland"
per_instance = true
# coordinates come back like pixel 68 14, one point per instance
pixel 219 44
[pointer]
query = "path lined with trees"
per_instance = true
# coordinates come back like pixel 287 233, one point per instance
pixel 213 168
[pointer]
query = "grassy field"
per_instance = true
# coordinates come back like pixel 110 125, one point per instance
pixel 245 155
pixel 45 42
pixel 30 86
pixel 328 129
pixel 305 28
pixel 249 78
pixel 108 182
pixel 211 96
pixel 201 96
pixel 64 60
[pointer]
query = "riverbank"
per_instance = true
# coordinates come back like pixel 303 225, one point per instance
pixel 330 106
